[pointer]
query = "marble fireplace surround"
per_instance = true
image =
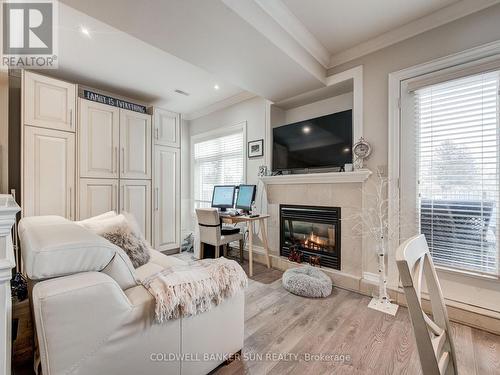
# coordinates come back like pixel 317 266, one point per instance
pixel 336 192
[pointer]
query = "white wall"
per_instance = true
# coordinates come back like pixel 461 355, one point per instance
pixel 468 32
pixel 253 111
pixel 320 108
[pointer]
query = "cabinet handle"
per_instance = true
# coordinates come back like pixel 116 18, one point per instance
pixel 122 198
pixel 157 199
pixel 115 159
pixel 156 133
pixel 71 118
pixel 70 204
pixel 115 199
pixel 123 159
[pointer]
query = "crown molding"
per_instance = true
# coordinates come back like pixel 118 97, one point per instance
pixel 293 26
pixel 431 21
pixel 232 100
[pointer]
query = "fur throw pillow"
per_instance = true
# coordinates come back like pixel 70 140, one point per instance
pixel 123 231
pixel 134 246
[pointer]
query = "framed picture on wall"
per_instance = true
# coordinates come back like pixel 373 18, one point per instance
pixel 256 148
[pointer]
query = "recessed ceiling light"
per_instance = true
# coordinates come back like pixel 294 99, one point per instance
pixel 85 31
pixel 306 129
pixel 216 87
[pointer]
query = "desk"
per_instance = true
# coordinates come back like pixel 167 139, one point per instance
pixel 262 225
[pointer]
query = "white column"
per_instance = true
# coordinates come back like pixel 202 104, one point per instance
pixel 8 211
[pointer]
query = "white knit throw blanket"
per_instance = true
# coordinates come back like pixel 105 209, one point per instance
pixel 185 290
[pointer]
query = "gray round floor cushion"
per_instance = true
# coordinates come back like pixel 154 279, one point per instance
pixel 307 282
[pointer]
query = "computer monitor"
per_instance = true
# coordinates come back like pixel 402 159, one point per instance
pixel 246 195
pixel 223 196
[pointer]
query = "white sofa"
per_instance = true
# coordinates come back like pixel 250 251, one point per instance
pixel 93 317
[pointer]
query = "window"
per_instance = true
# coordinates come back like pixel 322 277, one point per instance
pixel 457 157
pixel 217 160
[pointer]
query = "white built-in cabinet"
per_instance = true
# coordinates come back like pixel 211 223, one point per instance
pixel 48 146
pixel 135 198
pixel 99 134
pixel 114 143
pixel 98 195
pixel 110 159
pixel 135 144
pixel 48 172
pixel 166 179
pixel 115 162
pixel 49 102
pixel 166 201
pixel 166 128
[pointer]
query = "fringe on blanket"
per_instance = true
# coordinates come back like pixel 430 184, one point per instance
pixel 186 290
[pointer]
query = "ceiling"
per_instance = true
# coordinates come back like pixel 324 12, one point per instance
pixel 339 25
pixel 114 61
pixel 277 49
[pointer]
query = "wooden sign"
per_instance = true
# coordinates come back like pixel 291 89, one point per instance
pixel 115 102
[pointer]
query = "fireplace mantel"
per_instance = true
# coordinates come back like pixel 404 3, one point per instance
pixel 318 178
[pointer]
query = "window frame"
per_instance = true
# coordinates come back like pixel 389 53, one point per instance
pixel 469 58
pixel 212 134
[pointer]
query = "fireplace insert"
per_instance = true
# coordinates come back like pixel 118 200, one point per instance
pixel 313 231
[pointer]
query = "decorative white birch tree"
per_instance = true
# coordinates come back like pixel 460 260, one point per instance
pixel 373 223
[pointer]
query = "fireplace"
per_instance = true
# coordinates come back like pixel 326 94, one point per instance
pixel 312 230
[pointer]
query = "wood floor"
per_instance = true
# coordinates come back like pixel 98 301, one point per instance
pixel 365 341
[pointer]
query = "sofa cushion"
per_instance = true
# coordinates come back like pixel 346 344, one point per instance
pixel 53 246
pixel 27 223
pixel 96 218
pixel 147 270
pixel 164 260
pixel 134 245
pixel 158 262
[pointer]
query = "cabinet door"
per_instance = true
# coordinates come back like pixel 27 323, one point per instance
pixel 48 172
pixel 49 102
pixel 97 196
pixel 135 145
pixel 166 128
pixel 99 139
pixel 166 198
pixel 135 198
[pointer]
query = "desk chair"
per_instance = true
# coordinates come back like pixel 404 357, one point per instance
pixel 210 232
pixel 433 336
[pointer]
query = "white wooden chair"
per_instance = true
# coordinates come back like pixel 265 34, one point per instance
pixel 433 338
pixel 210 232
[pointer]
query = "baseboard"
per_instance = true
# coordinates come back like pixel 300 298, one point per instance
pixel 370 277
pixel 471 316
pixel 339 279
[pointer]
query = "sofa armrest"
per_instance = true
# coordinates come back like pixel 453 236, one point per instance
pixel 74 316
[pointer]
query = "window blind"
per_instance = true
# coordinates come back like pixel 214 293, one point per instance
pixel 217 161
pixel 458 171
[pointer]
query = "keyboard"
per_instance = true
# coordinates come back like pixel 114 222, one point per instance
pixel 227 230
pixel 229 213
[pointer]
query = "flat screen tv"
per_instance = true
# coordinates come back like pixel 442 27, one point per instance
pixel 322 142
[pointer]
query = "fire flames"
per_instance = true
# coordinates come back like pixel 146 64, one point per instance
pixel 314 242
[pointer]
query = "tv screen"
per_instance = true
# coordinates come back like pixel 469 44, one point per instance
pixel 317 143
